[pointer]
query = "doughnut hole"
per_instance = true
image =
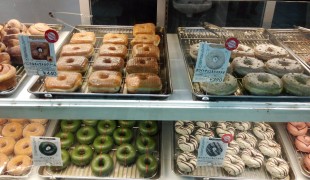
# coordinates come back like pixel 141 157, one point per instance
pixel 101 163
pixel 26 146
pixel 121 134
pixel 104 76
pixel 85 133
pixel 32 129
pixel 70 60
pixel 76 48
pixel 142 61
pixel 144 142
pixel 62 78
pixel 146 49
pixel 112 48
pixel 262 78
pixel 12 130
pixel 284 63
pixel 107 61
pixel 147 162
pixel 81 152
pixel 125 151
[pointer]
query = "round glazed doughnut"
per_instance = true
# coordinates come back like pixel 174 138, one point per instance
pixel 227 87
pixel 3 121
pixel 70 125
pixel 81 155
pixel 184 127
pixel 242 50
pixel 269 148
pixel 126 154
pixel 106 127
pixel 269 51
pixel 245 65
pixel 277 167
pixel 302 143
pixel 41 121
pixel 262 84
pixel 246 140
pixel 263 131
pixel 102 165
pixel 23 147
pixel 19 165
pixel 281 66
pixel 3 160
pixel 148 128
pixel 147 165
pixel 306 162
pixel 103 144
pixel 297 128
pixel 7 77
pixel 65 156
pixel 202 132
pixel 242 126
pixel 187 162
pixel 38 29
pixel 122 135
pixel 145 144
pixel 66 139
pixel 204 124
pixel 187 143
pixel 126 123
pixel 252 157
pixel 91 123
pixel 233 165
pixel 13 129
pixel 233 148
pixel 20 121
pixel 296 84
pixel 86 135
pixel 225 128
pixel 5 58
pixel 7 145
pixel 34 129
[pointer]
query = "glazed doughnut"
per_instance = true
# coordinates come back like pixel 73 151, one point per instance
pixel 2 46
pixel 3 121
pixel 297 128
pixel 302 143
pixel 202 132
pixel 193 50
pixel 187 143
pixel 19 165
pixel 246 140
pixel 23 147
pixel 204 124
pixel 147 165
pixel 109 63
pixel 306 162
pixel 7 77
pixel 145 50
pixel 126 154
pixel 143 83
pixel 64 82
pixel 38 29
pixel 242 50
pixel 252 157
pixel 308 124
pixel 184 127
pixel 142 65
pixel 148 128
pixel 296 84
pixel 242 126
pixel 20 121
pixel 116 50
pixel 83 38
pixel 13 129
pixel 104 81
pixel 77 64
pixel 7 145
pixel 225 128
pixel 277 167
pixel 15 54
pixel 77 50
pixel 227 87
pixel 40 50
pixel 245 65
pixel 34 129
pixel 269 148
pixel 5 58
pixel 114 38
pixel 263 131
pixel 233 148
pixel 269 51
pixel 3 160
pixel 262 84
pixel 187 162
pixel 233 165
pixel 41 121
pixel 145 39
pixel 281 66
pixel 144 28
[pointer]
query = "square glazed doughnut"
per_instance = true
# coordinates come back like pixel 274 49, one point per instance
pixel 145 39
pixel 64 82
pixel 83 38
pixel 72 64
pixel 77 50
pixel 145 50
pixel 145 28
pixel 116 50
pixel 114 38
pixel 105 81
pixel 108 63
pixel 142 65
pixel 143 83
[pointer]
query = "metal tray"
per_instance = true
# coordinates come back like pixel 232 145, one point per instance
pixel 217 173
pixel 248 36
pixel 38 87
pixel 119 172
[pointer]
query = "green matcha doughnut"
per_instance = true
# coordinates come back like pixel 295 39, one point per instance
pixel 145 144
pixel 122 135
pixel 102 165
pixel 126 123
pixel 106 127
pixel 92 123
pixel 126 154
pixel 70 125
pixel 65 156
pixel 86 135
pixel 66 139
pixel 149 128
pixel 147 165
pixel 103 144
pixel 81 155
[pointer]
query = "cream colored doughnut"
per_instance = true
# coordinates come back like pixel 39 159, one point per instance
pixel 193 50
pixel 187 162
pixel 23 147
pixel 187 143
pixel 202 132
pixel 269 51
pixel 246 140
pixel 20 121
pixel 277 167
pixel 233 148
pixel 184 127
pixel 41 121
pixel 19 165
pixel 13 129
pixel 4 159
pixel 233 165
pixel 296 84
pixel 242 50
pixel 204 124
pixel 224 128
pixel 281 66
pixel 227 87
pixel 245 65
pixel 252 157
pixel 3 121
pixel 242 126
pixel 269 148
pixel 262 84
pixel 7 145
pixel 263 130
pixel 34 129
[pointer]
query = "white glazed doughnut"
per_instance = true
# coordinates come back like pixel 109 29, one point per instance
pixel 246 140
pixel 262 84
pixel 233 165
pixel 202 132
pixel 204 124
pixel 252 157
pixel 187 143
pixel 263 131
pixel 277 167
pixel 296 84
pixel 193 50
pixel 269 148
pixel 233 148
pixel 187 162
pixel 281 66
pixel 242 50
pixel 242 126
pixel 245 65
pixel 227 87
pixel 269 51
pixel 225 128
pixel 184 127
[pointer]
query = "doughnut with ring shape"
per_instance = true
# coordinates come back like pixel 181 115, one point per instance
pixel 246 140
pixel 263 131
pixel 145 144
pixel 148 128
pixel 187 162
pixel 65 156
pixel 253 158
pixel 184 127
pixel 296 84
pixel 281 66
pixel 233 148
pixel 23 147
pixel 277 167
pixel 147 165
pixel 242 126
pixel 70 125
pixel 34 129
pixel 122 135
pixel 66 139
pixel 7 145
pixel 102 165
pixel 302 143
pixel 227 87
pixel 225 128
pixel 81 155
pixel 103 144
pixel 187 143
pixel 89 122
pixel 13 129
pixel 203 132
pixel 106 127
pixel 19 165
pixel 262 84
pixel 245 65
pixel 297 128
pixel 242 50
pixel 126 123
pixel 233 165
pixel 269 148
pixel 126 154
pixel 86 135
pixel 269 51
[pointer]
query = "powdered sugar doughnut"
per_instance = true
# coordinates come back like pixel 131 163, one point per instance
pixel 269 51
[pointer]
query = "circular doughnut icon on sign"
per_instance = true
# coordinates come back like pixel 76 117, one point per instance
pixel 215 59
pixel 47 148
pixel 214 149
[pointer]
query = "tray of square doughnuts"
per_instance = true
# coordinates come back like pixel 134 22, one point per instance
pixel 110 62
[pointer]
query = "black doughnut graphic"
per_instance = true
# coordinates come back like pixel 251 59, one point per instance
pixel 214 149
pixel 47 148
pixel 215 59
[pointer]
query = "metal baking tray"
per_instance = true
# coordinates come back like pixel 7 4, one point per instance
pixel 217 173
pixel 38 88
pixel 119 172
pixel 248 36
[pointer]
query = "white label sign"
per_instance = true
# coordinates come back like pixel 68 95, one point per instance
pixel 212 62
pixel 46 151
pixel 211 152
pixel 38 55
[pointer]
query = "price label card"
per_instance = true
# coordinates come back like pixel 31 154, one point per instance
pixel 46 151
pixel 38 55
pixel 212 62
pixel 211 152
